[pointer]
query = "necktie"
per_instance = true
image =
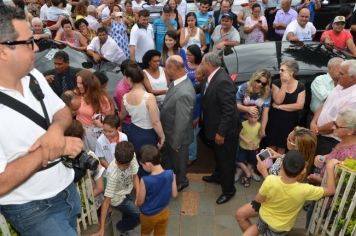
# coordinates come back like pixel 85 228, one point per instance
pixel 206 86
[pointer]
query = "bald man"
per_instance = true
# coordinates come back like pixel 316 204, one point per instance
pixel 176 119
pixel 300 29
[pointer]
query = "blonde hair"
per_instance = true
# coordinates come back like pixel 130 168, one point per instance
pixel 305 141
pixel 265 91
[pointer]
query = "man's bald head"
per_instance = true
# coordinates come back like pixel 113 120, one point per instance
pixel 303 17
pixel 175 60
pixel 175 67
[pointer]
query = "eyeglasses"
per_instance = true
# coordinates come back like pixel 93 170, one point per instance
pixel 260 82
pixel 340 127
pixel 30 41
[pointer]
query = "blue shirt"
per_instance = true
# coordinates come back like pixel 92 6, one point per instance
pixel 160 29
pixel 203 21
pixel 191 75
pixel 158 192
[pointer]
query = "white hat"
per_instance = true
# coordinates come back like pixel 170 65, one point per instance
pixel 339 19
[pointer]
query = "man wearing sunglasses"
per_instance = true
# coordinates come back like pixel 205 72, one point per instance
pixel 35 200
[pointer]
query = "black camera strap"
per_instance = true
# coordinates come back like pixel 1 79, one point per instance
pixel 29 112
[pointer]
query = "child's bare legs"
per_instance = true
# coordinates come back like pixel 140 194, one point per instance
pixel 251 231
pixel 255 176
pixel 243 214
pixel 245 169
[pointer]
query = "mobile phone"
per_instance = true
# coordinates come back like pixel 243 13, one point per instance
pixel 264 154
pixel 119 14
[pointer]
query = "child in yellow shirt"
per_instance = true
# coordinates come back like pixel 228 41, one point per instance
pixel 282 197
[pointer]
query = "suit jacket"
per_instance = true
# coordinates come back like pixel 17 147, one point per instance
pixel 234 20
pixel 177 114
pixel 57 84
pixel 219 111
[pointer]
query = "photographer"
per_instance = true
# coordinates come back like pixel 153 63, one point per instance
pixel 37 196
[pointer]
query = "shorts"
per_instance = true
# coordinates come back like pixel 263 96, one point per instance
pixel 264 229
pixel 157 223
pixel 247 156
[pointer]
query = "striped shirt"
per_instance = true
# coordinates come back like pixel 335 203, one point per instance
pixel 120 182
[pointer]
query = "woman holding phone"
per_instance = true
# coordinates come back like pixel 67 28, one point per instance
pixel 255 26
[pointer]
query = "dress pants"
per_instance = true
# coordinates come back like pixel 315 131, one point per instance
pixel 176 161
pixel 225 164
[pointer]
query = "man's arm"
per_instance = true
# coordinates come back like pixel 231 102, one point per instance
pixel 132 53
pixel 140 197
pixel 53 141
pixel 351 46
pixel 260 198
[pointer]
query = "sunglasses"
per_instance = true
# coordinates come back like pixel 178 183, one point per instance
pixel 340 127
pixel 260 82
pixel 30 41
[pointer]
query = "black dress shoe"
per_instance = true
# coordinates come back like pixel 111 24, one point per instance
pixel 210 179
pixel 182 186
pixel 224 198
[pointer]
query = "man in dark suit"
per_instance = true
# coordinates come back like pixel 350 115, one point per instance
pixel 220 123
pixel 176 119
pixel 62 77
pixel 225 7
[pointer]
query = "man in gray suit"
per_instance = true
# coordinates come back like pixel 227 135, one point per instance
pixel 176 119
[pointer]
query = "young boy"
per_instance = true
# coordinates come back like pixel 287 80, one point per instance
pixel 154 193
pixel 122 177
pixel 106 143
pixel 249 143
pixel 72 101
pixel 282 197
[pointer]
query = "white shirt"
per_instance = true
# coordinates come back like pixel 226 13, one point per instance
pixel 182 10
pixel 53 13
pixel 180 80
pixel 105 149
pixel 105 13
pixel 303 34
pixel 110 50
pixel 159 83
pixel 16 142
pixel 338 100
pixel 321 86
pixel 143 40
pixel 120 183
pixel 93 22
pixel 43 12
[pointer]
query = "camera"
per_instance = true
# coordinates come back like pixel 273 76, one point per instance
pixel 81 163
pixel 264 154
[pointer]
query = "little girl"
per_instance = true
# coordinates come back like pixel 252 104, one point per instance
pixel 249 144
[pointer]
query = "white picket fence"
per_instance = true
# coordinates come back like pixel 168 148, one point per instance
pixel 332 215
pixel 88 211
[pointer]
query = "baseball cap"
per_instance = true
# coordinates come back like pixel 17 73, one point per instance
pixel 339 19
pixel 226 15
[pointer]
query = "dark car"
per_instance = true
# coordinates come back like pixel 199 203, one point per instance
pixel 47 49
pixel 243 60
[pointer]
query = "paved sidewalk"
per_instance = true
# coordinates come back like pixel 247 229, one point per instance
pixel 195 213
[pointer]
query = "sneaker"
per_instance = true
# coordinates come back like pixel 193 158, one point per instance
pixel 238 175
pixel 256 178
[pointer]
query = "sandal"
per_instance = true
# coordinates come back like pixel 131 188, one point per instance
pixel 245 181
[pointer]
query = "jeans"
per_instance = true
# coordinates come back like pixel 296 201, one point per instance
pixel 193 147
pixel 56 216
pixel 130 215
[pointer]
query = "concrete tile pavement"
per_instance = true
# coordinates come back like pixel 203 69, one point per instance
pixel 195 213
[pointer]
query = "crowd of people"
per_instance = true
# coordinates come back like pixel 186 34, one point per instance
pixel 174 89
